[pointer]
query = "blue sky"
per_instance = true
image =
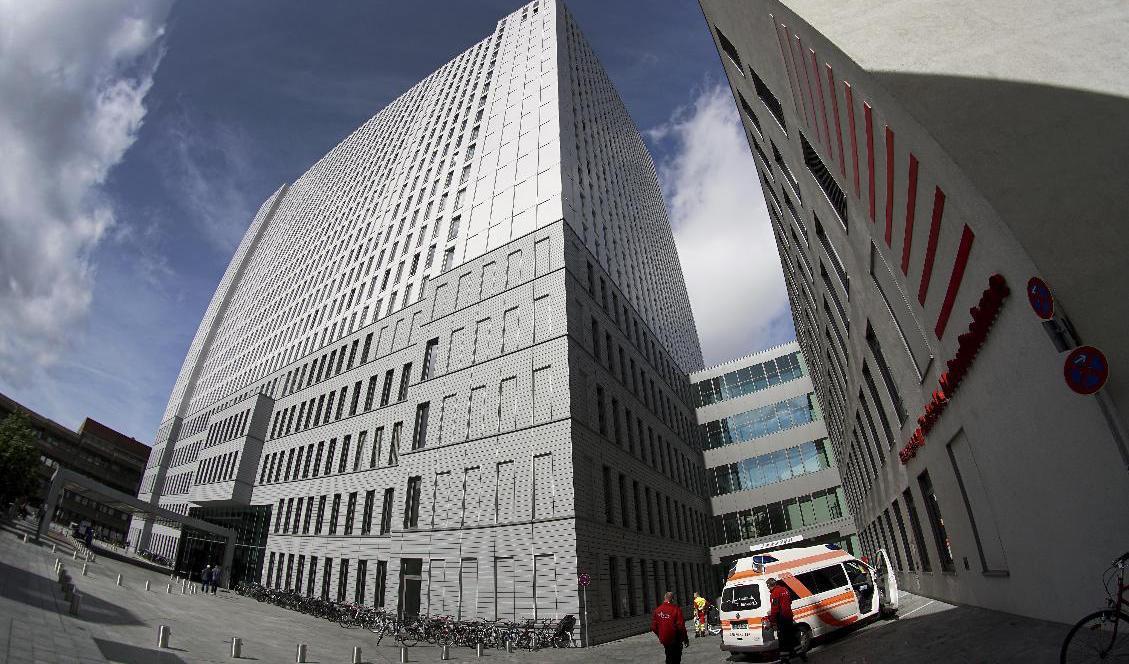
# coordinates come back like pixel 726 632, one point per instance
pixel 139 138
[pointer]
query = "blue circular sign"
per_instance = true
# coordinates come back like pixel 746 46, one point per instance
pixel 1039 295
pixel 1086 370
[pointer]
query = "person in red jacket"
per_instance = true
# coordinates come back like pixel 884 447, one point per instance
pixel 669 625
pixel 780 615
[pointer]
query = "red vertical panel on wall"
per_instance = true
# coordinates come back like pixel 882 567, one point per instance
pixel 838 122
pixel 889 185
pixel 822 101
pixel 931 247
pixel 811 93
pixel 955 278
pixel 801 73
pixel 911 207
pixel 788 65
pixel 854 132
pixel 868 121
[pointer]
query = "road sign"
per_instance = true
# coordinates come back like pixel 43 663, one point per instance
pixel 584 580
pixel 1039 295
pixel 1086 370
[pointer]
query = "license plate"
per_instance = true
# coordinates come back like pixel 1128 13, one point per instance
pixel 740 624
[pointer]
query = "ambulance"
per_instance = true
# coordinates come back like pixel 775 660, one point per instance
pixel 830 588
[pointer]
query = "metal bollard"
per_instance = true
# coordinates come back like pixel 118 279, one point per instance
pixel 168 588
pixel 236 647
pixel 84 568
pixel 163 634
pixel 356 655
pixel 403 654
pixel 76 599
pixel 25 538
pixel 444 652
pixel 146 585
pixel 74 556
pixel 300 656
pixel 509 646
pixel 119 581
pixel 478 649
pixel 52 548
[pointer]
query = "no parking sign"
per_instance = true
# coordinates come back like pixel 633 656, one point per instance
pixel 1085 370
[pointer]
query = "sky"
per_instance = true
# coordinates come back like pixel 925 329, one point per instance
pixel 139 137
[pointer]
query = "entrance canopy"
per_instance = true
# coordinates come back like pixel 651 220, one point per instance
pixel 92 489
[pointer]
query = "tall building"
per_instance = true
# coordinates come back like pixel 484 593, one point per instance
pixel 96 451
pixel 446 369
pixel 770 468
pixel 927 171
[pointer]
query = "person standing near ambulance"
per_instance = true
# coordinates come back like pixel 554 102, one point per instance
pixel 669 625
pixel 780 616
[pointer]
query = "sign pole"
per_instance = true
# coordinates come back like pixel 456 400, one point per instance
pixel 585 592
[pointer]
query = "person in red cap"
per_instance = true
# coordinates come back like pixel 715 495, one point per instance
pixel 669 625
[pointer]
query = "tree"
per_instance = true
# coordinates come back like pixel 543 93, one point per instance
pixel 19 458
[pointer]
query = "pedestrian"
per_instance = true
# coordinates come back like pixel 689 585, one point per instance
pixel 89 536
pixel 205 578
pixel 780 616
pixel 699 616
pixel 669 625
pixel 215 578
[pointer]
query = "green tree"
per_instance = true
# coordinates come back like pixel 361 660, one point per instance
pixel 19 458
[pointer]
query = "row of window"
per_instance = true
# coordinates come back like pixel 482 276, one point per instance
pixel 748 380
pixel 297 516
pixel 320 410
pixel 780 517
pixel 230 428
pixel 778 466
pixel 217 469
pixel 649 510
pixel 759 422
pixel 289 572
pixel 305 461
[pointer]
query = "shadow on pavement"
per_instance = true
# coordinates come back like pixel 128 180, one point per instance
pixel 27 588
pixel 127 654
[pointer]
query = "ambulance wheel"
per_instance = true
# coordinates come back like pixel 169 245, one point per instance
pixel 804 638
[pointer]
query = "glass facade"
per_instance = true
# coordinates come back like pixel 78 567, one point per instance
pixel 762 421
pixel 771 468
pixel 749 379
pixel 780 517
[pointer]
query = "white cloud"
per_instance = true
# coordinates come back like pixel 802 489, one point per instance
pixel 73 77
pixel 722 230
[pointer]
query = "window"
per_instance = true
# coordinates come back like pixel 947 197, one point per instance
pixel 366 515
pixel 884 372
pixel 419 438
pixel 936 522
pixel 370 395
pixel 405 376
pixel 748 111
pixel 613 579
pixel 386 392
pixel 453 230
pixel 320 517
pixel 608 508
pixel 411 505
pixel 448 259
pixel 770 101
pixel 350 512
pixel 394 444
pixel 741 598
pixel 334 513
pixel 377 441
pixel 362 572
pixel 827 183
pixel 730 50
pixel 823 579
pixel 326 577
pixel 342 579
pixel 386 511
pixel 429 359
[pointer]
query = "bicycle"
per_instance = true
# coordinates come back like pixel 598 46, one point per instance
pixel 713 620
pixel 1103 635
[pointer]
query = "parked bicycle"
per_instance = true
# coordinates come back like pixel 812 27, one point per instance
pixel 528 634
pixel 1103 635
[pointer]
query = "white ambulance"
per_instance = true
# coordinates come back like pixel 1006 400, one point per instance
pixel 831 590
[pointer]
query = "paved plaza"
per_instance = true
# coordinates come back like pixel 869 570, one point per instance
pixel 119 624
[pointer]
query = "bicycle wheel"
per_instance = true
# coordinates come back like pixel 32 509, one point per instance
pixel 1102 636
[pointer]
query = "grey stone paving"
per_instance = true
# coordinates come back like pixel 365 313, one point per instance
pixel 119 624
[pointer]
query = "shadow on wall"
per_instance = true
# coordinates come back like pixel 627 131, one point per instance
pixel 1051 161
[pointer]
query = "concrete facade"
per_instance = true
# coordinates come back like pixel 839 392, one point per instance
pixel 770 466
pixel 430 351
pixel 921 163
